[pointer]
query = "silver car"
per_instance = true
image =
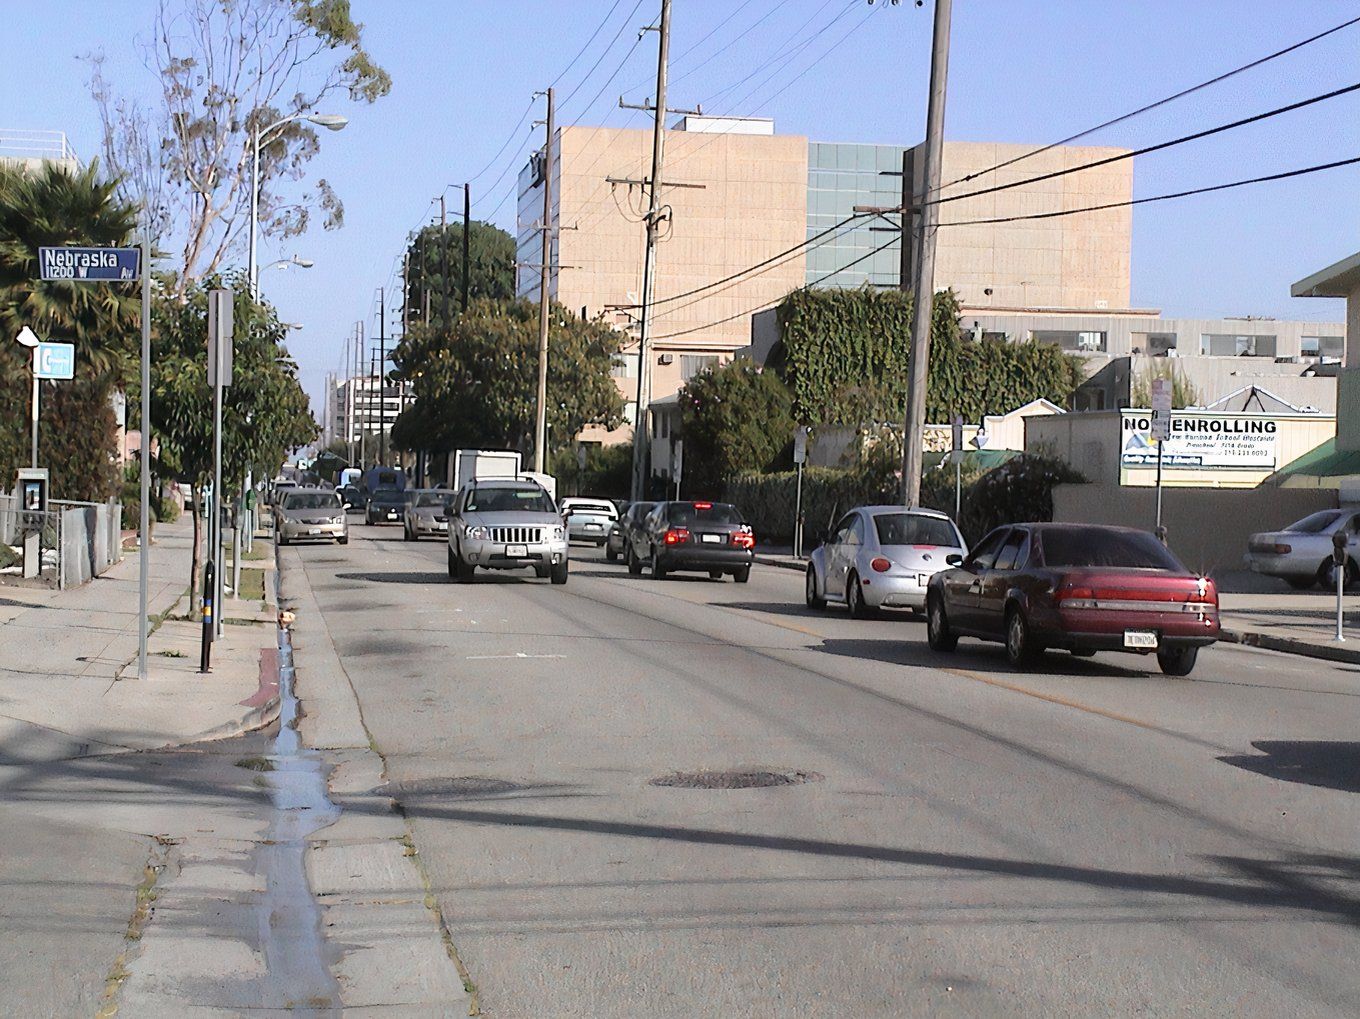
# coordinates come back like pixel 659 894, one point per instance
pixel 427 513
pixel 589 519
pixel 1301 554
pixel 882 557
pixel 505 524
pixel 310 514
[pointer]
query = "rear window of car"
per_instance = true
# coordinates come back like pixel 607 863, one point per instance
pixel 509 500
pixel 913 529
pixel 1316 523
pixel 389 495
pixel 434 499
pixel 1090 546
pixel 703 513
pixel 311 501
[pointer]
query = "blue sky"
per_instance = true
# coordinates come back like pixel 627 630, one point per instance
pixel 1020 70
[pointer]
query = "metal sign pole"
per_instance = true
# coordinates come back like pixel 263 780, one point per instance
pixel 36 398
pixel 1339 565
pixel 144 523
pixel 1160 445
pixel 798 516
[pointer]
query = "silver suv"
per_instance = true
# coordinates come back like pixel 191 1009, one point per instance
pixel 504 524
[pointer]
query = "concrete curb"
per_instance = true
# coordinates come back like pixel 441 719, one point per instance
pixel 784 564
pixel 1290 646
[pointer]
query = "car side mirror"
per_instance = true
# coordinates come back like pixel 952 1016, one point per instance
pixel 953 559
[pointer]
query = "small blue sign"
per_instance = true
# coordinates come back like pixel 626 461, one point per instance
pixel 89 265
pixel 54 360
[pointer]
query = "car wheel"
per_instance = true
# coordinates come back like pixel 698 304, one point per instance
pixel 634 566
pixel 715 574
pixel 406 533
pixel 1326 575
pixel 1083 652
pixel 810 595
pixel 342 541
pixel 1177 661
pixel 462 569
pixel 658 571
pixel 610 555
pixel 938 634
pixel 559 573
pixel 283 540
pixel 854 598
pixel 1021 649
pixel 453 564
pixel 742 575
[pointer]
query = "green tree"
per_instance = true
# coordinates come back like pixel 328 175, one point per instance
pixel 1183 391
pixel 54 207
pixel 225 68
pixel 264 411
pixel 476 385
pixel 491 272
pixel 844 355
pixel 734 418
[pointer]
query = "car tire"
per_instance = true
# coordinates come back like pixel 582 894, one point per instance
pixel 742 575
pixel 1021 647
pixel 610 555
pixel 634 566
pixel 938 635
pixel 658 571
pixel 342 541
pixel 559 573
pixel 453 566
pixel 1177 661
pixel 810 595
pixel 1083 652
pixel 715 574
pixel 854 598
pixel 463 571
pixel 406 533
pixel 1326 575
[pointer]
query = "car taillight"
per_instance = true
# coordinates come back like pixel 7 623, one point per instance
pixel 880 565
pixel 703 505
pixel 1072 597
pixel 743 539
pixel 677 536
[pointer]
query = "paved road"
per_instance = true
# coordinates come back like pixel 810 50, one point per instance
pixel 1092 838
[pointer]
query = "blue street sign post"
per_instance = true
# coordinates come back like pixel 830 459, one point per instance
pixel 54 361
pixel 118 265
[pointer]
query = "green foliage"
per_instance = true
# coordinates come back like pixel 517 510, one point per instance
pixel 476 384
pixel 9 557
pixel 1183 391
pixel 607 474
pixel 844 355
pixel 491 260
pixel 734 418
pixel 1019 491
pixel 77 432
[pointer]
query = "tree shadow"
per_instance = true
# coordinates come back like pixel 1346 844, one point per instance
pixel 413 577
pixel 1328 764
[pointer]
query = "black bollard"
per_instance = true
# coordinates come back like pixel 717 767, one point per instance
pixel 205 646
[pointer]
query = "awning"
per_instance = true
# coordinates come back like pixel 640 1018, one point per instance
pixel 1322 467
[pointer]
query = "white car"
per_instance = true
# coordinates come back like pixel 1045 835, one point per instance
pixel 589 519
pixel 882 557
pixel 506 524
pixel 1302 553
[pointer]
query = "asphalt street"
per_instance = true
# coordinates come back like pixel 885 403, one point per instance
pixel 948 836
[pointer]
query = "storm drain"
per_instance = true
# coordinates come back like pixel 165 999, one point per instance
pixel 753 779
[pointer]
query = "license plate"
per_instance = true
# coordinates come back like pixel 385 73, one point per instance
pixel 391 516
pixel 314 530
pixel 517 551
pixel 1140 639
pixel 592 527
pixel 711 539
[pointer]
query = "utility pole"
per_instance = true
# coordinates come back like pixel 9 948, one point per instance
pixel 918 364
pixel 544 271
pixel 467 230
pixel 359 361
pixel 382 375
pixel 641 440
pixel 444 257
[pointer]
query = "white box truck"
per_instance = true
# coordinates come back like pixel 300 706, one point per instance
pixel 476 464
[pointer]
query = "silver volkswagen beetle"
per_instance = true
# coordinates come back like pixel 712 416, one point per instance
pixel 882 557
pixel 1301 554
pixel 506 524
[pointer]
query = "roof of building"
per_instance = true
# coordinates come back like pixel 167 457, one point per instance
pixel 1254 398
pixel 1324 466
pixel 1337 280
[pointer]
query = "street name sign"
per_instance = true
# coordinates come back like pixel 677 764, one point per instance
pixel 54 361
pixel 89 265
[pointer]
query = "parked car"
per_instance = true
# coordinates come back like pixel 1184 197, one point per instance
pixel 588 519
pixel 628 522
pixel 352 496
pixel 1301 554
pixel 1082 587
pixel 386 505
pixel 703 537
pixel 427 513
pixel 506 524
pixel 310 514
pixel 882 557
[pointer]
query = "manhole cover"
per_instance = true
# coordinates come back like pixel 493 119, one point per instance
pixel 751 779
pixel 466 785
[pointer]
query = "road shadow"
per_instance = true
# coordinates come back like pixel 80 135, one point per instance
pixel 989 657
pixel 1328 764
pixel 412 577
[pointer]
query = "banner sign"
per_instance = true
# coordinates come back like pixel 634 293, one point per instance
pixel 1198 441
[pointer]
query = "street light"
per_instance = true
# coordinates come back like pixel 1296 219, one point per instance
pixel 330 121
pixel 284 263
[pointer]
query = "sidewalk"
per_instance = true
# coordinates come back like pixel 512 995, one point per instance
pixel 68 672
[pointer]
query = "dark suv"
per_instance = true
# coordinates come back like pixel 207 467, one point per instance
pixel 702 537
pixel 386 505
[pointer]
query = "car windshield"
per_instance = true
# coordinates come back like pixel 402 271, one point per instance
pixel 1091 546
pixel 435 499
pixel 1316 523
pixel 389 497
pixel 509 500
pixel 703 513
pixel 311 501
pixel 913 529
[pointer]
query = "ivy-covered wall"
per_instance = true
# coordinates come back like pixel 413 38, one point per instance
pixel 843 354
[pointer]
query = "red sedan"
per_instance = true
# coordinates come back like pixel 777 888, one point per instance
pixel 1081 587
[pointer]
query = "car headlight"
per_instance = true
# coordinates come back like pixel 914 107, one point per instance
pixel 338 520
pixel 557 534
pixel 476 533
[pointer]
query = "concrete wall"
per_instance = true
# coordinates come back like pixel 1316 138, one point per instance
pixel 1207 528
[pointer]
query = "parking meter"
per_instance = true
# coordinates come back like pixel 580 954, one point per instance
pixel 1339 548
pixel 1339 558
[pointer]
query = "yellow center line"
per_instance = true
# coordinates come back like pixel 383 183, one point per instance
pixel 1055 699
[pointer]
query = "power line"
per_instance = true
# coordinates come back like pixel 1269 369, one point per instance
pixel 1160 102
pixel 586 45
pixel 509 138
pixel 773 8
pixel 603 54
